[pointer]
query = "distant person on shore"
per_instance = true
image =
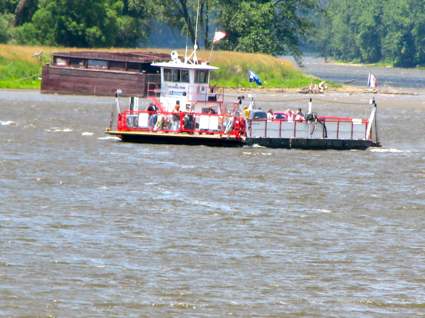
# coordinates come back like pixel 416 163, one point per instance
pixel 322 87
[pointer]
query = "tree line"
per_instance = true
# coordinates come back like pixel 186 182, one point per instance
pixel 390 31
pixel 269 26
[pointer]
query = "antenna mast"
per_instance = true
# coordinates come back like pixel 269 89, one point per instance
pixel 197 21
pixel 195 45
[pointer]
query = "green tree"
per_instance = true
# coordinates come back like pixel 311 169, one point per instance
pixel 248 27
pixel 6 21
pixel 369 31
pixel 81 23
pixel 24 11
pixel 8 6
pixel 398 43
pixel 392 30
pixel 181 14
pixel 265 26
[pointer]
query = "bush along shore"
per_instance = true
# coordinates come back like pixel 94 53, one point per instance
pixel 20 67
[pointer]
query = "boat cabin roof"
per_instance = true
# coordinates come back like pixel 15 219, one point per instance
pixel 182 65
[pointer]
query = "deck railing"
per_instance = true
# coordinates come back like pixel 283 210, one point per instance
pixel 181 122
pixel 342 128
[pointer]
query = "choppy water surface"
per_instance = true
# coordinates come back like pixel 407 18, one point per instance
pixel 94 227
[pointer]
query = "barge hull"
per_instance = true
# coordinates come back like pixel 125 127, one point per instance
pixel 311 144
pixel 178 139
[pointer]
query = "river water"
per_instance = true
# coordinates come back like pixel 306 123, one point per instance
pixel 357 75
pixel 92 227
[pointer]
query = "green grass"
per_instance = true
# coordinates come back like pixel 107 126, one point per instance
pixel 19 74
pixel 237 76
pixel 20 69
pixel 274 72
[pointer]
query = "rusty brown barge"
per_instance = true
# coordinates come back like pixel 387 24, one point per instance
pixel 100 73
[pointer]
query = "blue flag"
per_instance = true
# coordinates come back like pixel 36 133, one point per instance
pixel 254 78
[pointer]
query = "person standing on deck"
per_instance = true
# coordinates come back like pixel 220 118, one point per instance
pixel 153 116
pixel 176 116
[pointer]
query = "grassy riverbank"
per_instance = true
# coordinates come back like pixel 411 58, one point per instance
pixel 20 67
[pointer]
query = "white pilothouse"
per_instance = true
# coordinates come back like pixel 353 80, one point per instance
pixel 187 82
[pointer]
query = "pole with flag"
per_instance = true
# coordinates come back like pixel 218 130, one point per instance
pixel 252 77
pixel 372 82
pixel 218 36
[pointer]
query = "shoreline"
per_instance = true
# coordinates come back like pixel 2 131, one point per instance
pixel 344 90
pixel 339 90
pixel 358 64
pixel 374 65
pixel 348 89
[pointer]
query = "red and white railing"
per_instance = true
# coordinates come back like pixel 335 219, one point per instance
pixel 181 122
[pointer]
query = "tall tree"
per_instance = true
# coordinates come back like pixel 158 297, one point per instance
pixel 269 26
pixel 182 14
pixel 24 11
pixel 8 6
pixel 6 21
pixel 365 31
pixel 81 23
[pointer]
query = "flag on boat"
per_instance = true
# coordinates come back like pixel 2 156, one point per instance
pixel 218 35
pixel 372 82
pixel 254 78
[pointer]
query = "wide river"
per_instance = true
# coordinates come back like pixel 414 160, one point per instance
pixel 93 227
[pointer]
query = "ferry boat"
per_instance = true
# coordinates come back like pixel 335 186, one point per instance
pixel 185 109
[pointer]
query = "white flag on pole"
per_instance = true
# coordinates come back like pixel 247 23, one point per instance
pixel 372 82
pixel 219 35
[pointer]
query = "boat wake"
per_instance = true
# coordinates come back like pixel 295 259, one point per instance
pixel 247 153
pixel 257 146
pixel 388 150
pixel 7 123
pixel 325 211
pixel 57 129
pixel 108 138
pixel 87 134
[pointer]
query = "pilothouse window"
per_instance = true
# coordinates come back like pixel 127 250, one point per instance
pixel 184 76
pixel 201 77
pixel 168 76
pixel 176 75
